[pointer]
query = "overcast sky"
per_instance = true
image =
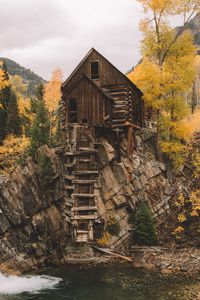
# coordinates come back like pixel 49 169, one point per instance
pixel 45 34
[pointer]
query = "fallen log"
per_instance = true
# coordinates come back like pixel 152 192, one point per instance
pixel 110 252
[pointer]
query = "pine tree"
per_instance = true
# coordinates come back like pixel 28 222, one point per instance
pixel 4 101
pixel 14 121
pixel 5 92
pixel 3 124
pixel 145 233
pixel 40 92
pixel 41 126
pixel 46 172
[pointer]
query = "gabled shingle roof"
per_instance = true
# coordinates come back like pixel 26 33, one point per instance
pixel 85 58
pixel 77 67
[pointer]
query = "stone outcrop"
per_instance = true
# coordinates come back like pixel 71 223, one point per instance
pixel 34 230
pixel 139 177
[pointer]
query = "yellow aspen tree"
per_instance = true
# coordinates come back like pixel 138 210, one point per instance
pixel 52 96
pixel 11 151
pixel 18 86
pixel 167 71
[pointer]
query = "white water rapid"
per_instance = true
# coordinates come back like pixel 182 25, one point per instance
pixel 31 284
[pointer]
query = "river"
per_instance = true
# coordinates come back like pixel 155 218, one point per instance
pixel 102 282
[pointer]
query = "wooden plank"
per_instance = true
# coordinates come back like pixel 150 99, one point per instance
pixel 87 149
pixel 83 195
pixel 70 165
pixel 84 208
pixel 84 217
pixel 79 181
pixel 69 177
pixel 85 172
pixel 118 121
pixel 69 187
pixel 110 252
pixel 84 160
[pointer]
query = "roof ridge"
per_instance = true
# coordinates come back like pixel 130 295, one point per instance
pixel 77 67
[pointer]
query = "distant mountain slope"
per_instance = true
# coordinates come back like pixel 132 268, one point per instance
pixel 194 26
pixel 29 77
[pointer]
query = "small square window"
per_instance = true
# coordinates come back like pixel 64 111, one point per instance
pixel 95 70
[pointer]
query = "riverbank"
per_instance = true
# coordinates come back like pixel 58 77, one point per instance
pixel 167 260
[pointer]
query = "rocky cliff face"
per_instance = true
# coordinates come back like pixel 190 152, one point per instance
pixel 32 231
pixel 33 228
pixel 139 177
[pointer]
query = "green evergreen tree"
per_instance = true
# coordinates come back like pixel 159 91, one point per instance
pixel 41 125
pixel 14 121
pixel 40 92
pixel 145 232
pixel 5 92
pixel 3 124
pixel 4 101
pixel 46 172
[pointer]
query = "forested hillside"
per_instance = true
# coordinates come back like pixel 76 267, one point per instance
pixel 27 110
pixel 194 26
pixel 31 79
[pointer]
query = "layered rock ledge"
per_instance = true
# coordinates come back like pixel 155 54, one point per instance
pixel 33 228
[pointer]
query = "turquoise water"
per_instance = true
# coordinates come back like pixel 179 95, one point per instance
pixel 110 282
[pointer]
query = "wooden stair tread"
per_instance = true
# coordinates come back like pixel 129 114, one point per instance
pixel 83 208
pixel 83 195
pixel 69 187
pixel 89 181
pixel 83 172
pixel 84 160
pixel 84 217
pixel 70 165
pixel 69 177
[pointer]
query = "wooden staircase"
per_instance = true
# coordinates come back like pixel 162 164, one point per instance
pixel 80 177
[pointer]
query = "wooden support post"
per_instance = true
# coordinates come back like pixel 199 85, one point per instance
pixel 117 130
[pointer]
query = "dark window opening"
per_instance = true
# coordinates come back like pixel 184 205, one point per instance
pixel 84 189
pixel 82 226
pixel 84 121
pixel 85 212
pixel 95 70
pixel 85 202
pixel 73 116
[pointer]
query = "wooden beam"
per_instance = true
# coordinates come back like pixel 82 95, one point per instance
pixel 85 217
pixel 69 177
pixel 88 172
pixel 132 125
pixel 79 181
pixel 110 252
pixel 83 195
pixel 83 208
pixel 69 187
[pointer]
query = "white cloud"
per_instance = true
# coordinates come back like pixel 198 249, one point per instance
pixel 44 34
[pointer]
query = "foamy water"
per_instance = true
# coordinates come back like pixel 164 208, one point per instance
pixel 30 284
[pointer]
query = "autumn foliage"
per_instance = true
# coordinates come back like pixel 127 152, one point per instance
pixel 52 93
pixel 167 73
pixel 26 123
pixel 11 151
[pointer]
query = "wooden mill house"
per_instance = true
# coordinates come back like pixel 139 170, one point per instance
pixel 96 96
